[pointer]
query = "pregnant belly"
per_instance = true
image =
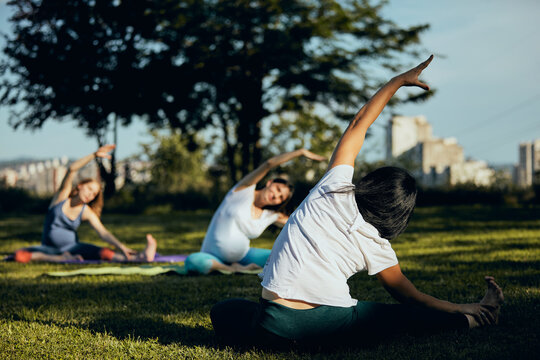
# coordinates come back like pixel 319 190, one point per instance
pixel 61 238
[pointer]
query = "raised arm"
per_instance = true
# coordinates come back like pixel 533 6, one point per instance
pixel 404 291
pixel 352 139
pixel 65 187
pixel 104 234
pixel 259 173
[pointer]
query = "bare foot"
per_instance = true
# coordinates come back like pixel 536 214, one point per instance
pixel 238 267
pixel 151 247
pixel 494 298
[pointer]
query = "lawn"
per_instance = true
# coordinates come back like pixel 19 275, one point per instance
pixel 445 252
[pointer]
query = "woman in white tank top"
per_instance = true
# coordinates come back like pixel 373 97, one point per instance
pixel 243 215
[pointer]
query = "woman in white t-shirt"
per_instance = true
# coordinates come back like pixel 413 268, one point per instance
pixel 338 230
pixel 243 215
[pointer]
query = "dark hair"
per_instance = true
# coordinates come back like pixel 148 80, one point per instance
pixel 386 198
pixel 281 207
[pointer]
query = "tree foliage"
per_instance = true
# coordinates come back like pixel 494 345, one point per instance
pixel 75 61
pixel 191 65
pixel 174 168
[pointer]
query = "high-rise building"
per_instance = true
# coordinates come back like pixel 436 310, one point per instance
pixel 529 163
pixel 433 161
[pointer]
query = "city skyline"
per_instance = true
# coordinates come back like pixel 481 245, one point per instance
pixel 485 73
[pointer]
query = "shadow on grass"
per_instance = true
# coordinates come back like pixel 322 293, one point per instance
pixel 150 328
pixel 143 328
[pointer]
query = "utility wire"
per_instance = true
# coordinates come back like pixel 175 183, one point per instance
pixel 499 116
pixel 509 140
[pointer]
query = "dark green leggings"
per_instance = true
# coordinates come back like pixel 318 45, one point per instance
pixel 268 323
pixel 369 318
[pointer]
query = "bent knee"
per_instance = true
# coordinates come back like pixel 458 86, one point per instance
pixel 106 254
pixel 235 320
pixel 200 263
pixel 22 256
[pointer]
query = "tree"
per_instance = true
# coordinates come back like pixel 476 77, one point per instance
pixel 76 61
pixel 174 168
pixel 191 65
pixel 241 61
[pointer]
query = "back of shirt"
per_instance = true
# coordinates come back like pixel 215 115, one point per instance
pixel 325 242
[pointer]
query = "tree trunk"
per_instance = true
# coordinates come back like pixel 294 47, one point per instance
pixel 249 132
pixel 244 140
pixel 257 150
pixel 108 176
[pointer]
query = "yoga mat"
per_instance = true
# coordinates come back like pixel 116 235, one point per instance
pixel 147 270
pixel 158 259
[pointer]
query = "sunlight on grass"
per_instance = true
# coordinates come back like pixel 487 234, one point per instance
pixel 445 252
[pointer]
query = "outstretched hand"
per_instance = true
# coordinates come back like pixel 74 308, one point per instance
pixel 481 313
pixel 312 156
pixel 410 78
pixel 128 253
pixel 103 151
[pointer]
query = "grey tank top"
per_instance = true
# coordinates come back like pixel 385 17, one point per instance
pixel 60 231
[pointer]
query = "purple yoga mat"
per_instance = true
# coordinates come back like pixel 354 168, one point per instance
pixel 158 259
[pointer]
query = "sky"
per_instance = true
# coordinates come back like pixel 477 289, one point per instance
pixel 486 71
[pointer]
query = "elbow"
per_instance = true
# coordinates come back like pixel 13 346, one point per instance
pixel 269 164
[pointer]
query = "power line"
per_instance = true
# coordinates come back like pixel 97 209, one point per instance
pixel 511 139
pixel 498 116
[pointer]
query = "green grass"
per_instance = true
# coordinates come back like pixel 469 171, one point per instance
pixel 445 252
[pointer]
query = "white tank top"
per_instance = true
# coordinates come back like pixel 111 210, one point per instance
pixel 232 226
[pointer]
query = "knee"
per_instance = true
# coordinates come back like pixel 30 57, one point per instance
pixel 235 320
pixel 22 256
pixel 200 263
pixel 106 254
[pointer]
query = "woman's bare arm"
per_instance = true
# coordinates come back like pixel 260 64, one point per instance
pixel 282 220
pixel 403 290
pixel 65 187
pixel 104 234
pixel 352 139
pixel 259 173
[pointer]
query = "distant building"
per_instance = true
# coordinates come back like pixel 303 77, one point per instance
pixel 529 163
pixel 434 161
pixel 44 177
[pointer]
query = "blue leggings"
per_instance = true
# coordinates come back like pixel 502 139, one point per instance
pixel 201 262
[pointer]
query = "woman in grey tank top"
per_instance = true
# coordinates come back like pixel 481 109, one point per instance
pixel 68 208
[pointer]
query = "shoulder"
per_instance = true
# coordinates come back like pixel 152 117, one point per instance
pixel 56 201
pixel 337 180
pixel 241 189
pixel 338 174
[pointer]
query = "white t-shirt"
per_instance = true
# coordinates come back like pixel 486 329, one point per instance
pixel 232 226
pixel 325 242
